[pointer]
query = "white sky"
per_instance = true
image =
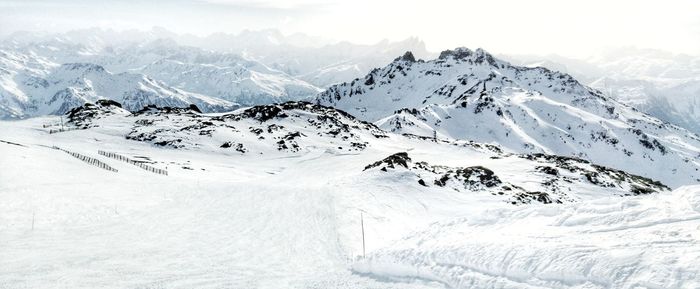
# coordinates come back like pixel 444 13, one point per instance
pixel 572 28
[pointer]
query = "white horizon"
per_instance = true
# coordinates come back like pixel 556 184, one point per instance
pixel 573 29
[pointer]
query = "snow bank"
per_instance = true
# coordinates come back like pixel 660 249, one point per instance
pixel 647 242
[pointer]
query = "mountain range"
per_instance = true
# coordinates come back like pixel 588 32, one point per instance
pixel 34 86
pixel 221 72
pixel 465 94
pixel 662 84
pixel 461 94
pixel 174 165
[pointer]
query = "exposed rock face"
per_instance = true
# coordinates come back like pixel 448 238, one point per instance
pixel 555 185
pixel 83 116
pixel 392 161
pixel 408 56
pixel 289 126
pixel 296 127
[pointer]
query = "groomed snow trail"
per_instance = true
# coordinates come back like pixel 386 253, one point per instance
pixel 646 242
pixel 66 224
pixel 280 220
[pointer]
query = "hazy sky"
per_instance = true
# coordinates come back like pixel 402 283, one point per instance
pixel 574 27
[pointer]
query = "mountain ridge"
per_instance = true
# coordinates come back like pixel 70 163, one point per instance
pixel 465 94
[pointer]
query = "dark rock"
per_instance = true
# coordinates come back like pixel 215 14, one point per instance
pixel 108 102
pixel 458 53
pixel 194 108
pixel 547 170
pixel 408 56
pixel 397 159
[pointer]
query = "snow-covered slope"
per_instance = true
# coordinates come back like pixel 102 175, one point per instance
pixel 662 84
pixel 673 101
pixel 296 127
pixel 336 63
pixel 271 196
pixel 314 60
pixel 240 80
pixel 606 243
pixel 14 102
pixel 250 68
pixel 225 76
pixel 33 85
pixel 468 94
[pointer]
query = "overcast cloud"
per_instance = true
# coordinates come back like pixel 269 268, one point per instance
pixel 504 26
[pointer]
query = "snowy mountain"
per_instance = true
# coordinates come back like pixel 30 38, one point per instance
pixel 339 62
pixel 297 127
pixel 250 68
pixel 467 94
pixel 662 84
pixel 230 78
pixel 33 85
pixel 276 196
pixel 321 62
pixel 317 61
pixel 227 76
pixel 221 75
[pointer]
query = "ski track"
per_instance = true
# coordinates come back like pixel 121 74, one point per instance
pixel 233 225
pixel 151 234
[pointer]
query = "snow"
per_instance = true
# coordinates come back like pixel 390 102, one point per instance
pixel 279 219
pixel 162 73
pixel 466 94
pixel 54 89
pixel 647 242
pixel 94 228
pixel 455 178
pixel 660 83
pixel 253 67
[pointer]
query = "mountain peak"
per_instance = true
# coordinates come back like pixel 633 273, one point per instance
pixel 462 53
pixel 408 56
pixel 83 67
pixel 457 53
pixel 469 94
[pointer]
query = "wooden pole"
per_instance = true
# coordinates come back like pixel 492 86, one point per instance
pixel 362 224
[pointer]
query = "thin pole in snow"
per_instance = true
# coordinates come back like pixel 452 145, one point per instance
pixel 362 224
pixel 62 122
pixel 33 215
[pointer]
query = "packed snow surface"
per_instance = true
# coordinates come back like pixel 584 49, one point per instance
pixel 647 242
pixel 279 217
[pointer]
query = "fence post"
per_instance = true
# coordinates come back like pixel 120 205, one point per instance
pixel 133 162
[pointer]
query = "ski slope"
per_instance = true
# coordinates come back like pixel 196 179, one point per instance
pixel 278 219
pixel 236 224
pixel 646 242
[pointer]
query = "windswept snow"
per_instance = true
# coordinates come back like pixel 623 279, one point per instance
pixel 51 88
pixel 663 84
pixel 459 172
pixel 645 242
pixel 271 217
